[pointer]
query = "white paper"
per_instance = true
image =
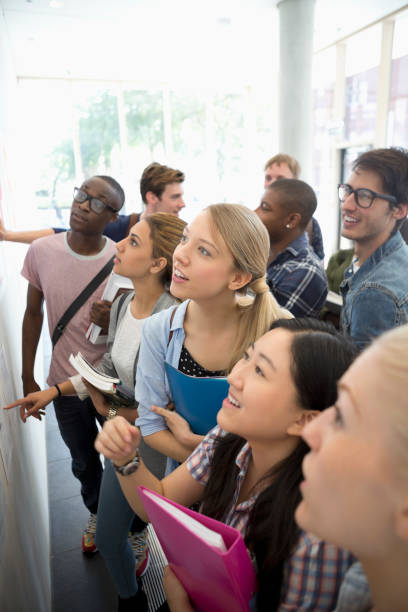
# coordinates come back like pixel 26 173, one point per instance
pixel 335 298
pixel 115 282
pixel 202 531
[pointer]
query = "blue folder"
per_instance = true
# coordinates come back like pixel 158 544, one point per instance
pixel 197 399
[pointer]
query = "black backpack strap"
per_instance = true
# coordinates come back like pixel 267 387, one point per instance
pixel 80 300
pixel 122 298
pixel 171 321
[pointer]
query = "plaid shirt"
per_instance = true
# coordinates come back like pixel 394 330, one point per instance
pixel 199 466
pixel 314 572
pixel 297 279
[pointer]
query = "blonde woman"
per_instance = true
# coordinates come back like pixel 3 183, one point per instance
pixel 219 272
pixel 355 489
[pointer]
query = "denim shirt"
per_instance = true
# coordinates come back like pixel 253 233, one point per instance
pixel 354 594
pixel 152 386
pixel 297 279
pixel 375 298
pixel 317 239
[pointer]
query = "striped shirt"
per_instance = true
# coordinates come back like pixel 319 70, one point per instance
pixel 314 572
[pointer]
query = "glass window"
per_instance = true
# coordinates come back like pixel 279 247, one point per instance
pixel 74 129
pixel 325 133
pixel 362 66
pixel 143 141
pixel 324 70
pixel 98 125
pixel 398 107
pixel 230 139
pixel 45 141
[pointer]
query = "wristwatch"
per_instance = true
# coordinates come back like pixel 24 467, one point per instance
pixel 113 411
pixel 130 467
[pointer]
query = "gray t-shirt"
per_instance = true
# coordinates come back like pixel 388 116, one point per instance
pixel 123 351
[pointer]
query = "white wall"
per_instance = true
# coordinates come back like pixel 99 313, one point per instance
pixel 25 583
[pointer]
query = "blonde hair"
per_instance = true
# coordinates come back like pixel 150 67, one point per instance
pixel 282 158
pixel 391 350
pixel 165 232
pixel 248 241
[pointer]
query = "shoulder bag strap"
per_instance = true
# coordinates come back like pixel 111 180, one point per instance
pixel 80 300
pixel 121 300
pixel 171 321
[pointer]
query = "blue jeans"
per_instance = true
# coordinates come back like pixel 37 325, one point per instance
pixel 77 424
pixel 115 519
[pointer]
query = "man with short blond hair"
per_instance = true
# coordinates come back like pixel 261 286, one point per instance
pixel 281 166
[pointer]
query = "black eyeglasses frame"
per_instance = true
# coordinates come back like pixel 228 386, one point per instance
pixel 373 194
pixel 92 200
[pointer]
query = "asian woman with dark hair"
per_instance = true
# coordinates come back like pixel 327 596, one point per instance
pixel 247 470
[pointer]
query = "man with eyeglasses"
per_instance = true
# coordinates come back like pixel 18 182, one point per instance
pixel 161 191
pixel 374 203
pixel 58 268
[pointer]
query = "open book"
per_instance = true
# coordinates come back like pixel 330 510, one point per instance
pixel 111 387
pixel 115 283
pixel 208 557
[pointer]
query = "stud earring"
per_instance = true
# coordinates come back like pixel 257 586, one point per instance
pixel 287 226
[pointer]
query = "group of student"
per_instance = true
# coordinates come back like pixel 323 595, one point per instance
pixel 218 298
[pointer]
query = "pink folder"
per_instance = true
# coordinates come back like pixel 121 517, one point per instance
pixel 215 581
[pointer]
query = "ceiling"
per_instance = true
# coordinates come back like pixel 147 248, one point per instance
pixel 184 41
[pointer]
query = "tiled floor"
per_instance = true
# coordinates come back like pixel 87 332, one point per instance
pixel 79 583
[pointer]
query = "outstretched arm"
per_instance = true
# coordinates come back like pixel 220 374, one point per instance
pixel 26 237
pixel 118 441
pixel 32 323
pixel 34 403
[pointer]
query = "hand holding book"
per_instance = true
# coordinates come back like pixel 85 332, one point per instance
pixel 99 400
pixel 178 426
pixel 197 399
pixel 115 391
pixel 208 557
pixel 176 595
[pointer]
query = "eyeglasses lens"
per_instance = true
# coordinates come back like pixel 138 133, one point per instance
pixel 97 205
pixel 364 198
pixel 344 192
pixel 79 195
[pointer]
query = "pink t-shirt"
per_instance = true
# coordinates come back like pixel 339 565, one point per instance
pixel 61 274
